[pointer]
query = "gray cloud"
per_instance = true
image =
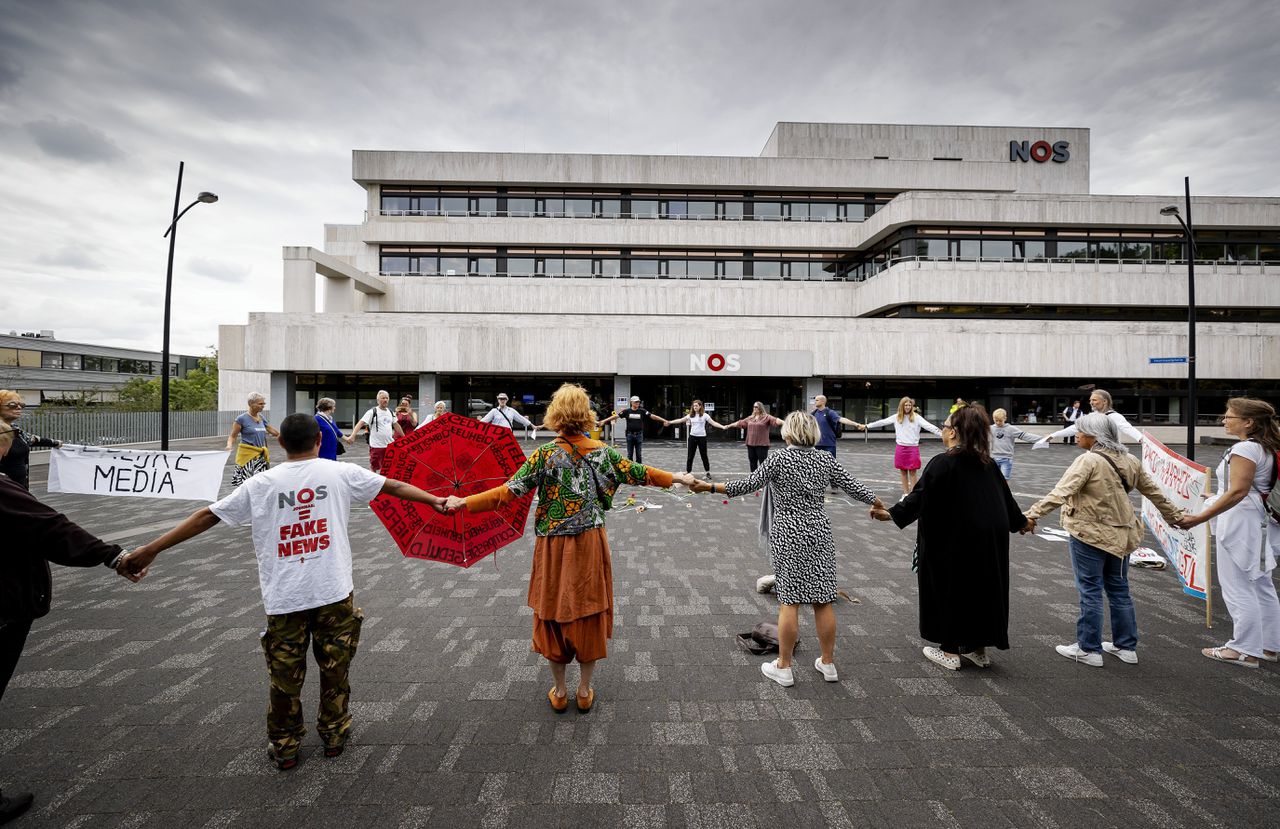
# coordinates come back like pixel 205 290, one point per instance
pixel 73 140
pixel 265 101
pixel 70 257
pixel 219 270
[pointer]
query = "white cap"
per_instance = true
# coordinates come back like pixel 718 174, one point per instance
pixel 635 399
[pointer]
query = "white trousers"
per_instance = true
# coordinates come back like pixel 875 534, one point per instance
pixel 1254 607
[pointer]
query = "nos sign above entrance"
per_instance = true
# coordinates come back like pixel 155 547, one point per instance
pixel 713 362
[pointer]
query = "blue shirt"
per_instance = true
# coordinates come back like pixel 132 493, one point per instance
pixel 253 432
pixel 827 421
pixel 328 437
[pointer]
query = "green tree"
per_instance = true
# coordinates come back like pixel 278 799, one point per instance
pixel 198 391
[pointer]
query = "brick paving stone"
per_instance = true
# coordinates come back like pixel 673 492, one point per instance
pixel 140 706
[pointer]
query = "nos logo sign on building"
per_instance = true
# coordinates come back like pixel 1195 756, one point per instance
pixel 1039 151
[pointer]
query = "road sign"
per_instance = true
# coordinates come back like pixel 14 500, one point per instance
pixel 1155 360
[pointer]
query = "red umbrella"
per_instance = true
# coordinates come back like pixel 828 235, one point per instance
pixel 452 455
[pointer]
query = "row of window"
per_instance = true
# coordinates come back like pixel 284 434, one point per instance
pixel 774 209
pixel 1084 312
pixel 609 267
pixel 28 358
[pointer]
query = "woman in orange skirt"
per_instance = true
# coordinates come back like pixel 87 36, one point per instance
pixel 571 585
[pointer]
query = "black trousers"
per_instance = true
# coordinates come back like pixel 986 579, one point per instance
pixel 697 443
pixel 756 455
pixel 13 635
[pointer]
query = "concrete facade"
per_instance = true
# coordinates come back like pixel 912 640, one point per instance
pixel 442 327
pixel 24 369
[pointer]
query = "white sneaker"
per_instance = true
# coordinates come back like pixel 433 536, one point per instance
pixel 827 669
pixel 1074 651
pixel 782 676
pixel 1131 657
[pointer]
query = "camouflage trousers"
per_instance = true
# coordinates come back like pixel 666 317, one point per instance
pixel 333 633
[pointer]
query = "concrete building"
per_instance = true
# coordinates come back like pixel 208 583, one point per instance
pixel 46 370
pixel 863 261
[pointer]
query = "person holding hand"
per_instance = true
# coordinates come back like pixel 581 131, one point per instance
pixel 1103 529
pixel 298 512
pixel 571 582
pixel 966 514
pixel 801 546
pixel 757 425
pixel 1248 539
pixel 634 417
pixel 698 421
pixel 907 423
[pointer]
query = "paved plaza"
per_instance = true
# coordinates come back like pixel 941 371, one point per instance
pixel 143 705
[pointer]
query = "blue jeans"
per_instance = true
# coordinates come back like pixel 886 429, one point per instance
pixel 1098 571
pixel 1006 466
pixel 635 440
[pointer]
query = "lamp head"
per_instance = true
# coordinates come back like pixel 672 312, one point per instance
pixel 1171 210
pixel 210 198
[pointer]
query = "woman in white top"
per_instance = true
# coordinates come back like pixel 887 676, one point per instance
pixel 1248 538
pixel 698 421
pixel 1101 402
pixel 907 424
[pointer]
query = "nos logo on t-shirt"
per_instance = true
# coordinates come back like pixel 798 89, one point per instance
pixel 301 497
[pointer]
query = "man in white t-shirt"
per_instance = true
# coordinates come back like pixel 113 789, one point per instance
pixel 380 423
pixel 299 512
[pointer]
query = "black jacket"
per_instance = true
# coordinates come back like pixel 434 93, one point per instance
pixel 35 535
pixel 17 461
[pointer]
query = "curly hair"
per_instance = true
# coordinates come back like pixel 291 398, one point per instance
pixel 570 411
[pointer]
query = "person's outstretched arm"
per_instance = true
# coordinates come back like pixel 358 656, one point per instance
pixel 1068 432
pixel 409 492
pixel 907 511
pixel 750 483
pixel 840 477
pixel 929 427
pixel 134 565
pixel 1071 482
pixel 1126 428
pixel 235 433
pixel 884 421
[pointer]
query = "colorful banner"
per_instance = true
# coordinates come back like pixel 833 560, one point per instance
pixel 96 470
pixel 1185 483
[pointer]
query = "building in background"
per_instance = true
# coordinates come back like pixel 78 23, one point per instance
pixel 861 261
pixel 48 371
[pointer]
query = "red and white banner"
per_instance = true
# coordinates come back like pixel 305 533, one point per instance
pixel 1183 482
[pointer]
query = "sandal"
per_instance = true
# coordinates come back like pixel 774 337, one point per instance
pixel 559 704
pixel 590 699
pixel 936 655
pixel 1239 659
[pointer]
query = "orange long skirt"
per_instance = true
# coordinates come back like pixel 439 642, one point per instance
pixel 571 594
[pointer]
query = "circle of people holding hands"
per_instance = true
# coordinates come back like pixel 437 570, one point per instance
pixel 960 501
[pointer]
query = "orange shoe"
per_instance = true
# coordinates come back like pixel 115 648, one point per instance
pixel 585 703
pixel 557 703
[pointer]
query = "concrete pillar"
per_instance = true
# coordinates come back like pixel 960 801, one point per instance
pixel 281 399
pixel 299 286
pixel 621 389
pixel 812 388
pixel 339 295
pixel 428 394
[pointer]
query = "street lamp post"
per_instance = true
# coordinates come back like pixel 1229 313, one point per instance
pixel 1172 210
pixel 172 233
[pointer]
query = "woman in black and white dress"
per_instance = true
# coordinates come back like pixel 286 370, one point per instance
pixel 801 547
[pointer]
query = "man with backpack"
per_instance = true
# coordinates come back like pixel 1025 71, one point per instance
pixel 828 424
pixel 380 423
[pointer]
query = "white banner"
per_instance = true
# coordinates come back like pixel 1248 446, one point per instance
pixel 1184 483
pixel 97 470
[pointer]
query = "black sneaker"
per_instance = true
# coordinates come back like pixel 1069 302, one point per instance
pixel 282 763
pixel 12 807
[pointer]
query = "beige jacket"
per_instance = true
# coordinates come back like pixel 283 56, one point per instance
pixel 1097 510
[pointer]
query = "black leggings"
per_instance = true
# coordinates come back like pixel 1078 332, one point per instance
pixel 697 444
pixel 756 455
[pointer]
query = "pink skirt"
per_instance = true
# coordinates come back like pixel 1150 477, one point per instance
pixel 906 457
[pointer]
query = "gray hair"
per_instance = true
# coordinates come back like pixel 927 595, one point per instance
pixel 1099 427
pixel 440 403
pixel 1105 395
pixel 255 397
pixel 325 403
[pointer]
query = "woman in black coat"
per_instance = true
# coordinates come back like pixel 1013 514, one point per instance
pixel 966 514
pixel 34 536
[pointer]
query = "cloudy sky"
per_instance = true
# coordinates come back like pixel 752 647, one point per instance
pixel 264 101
